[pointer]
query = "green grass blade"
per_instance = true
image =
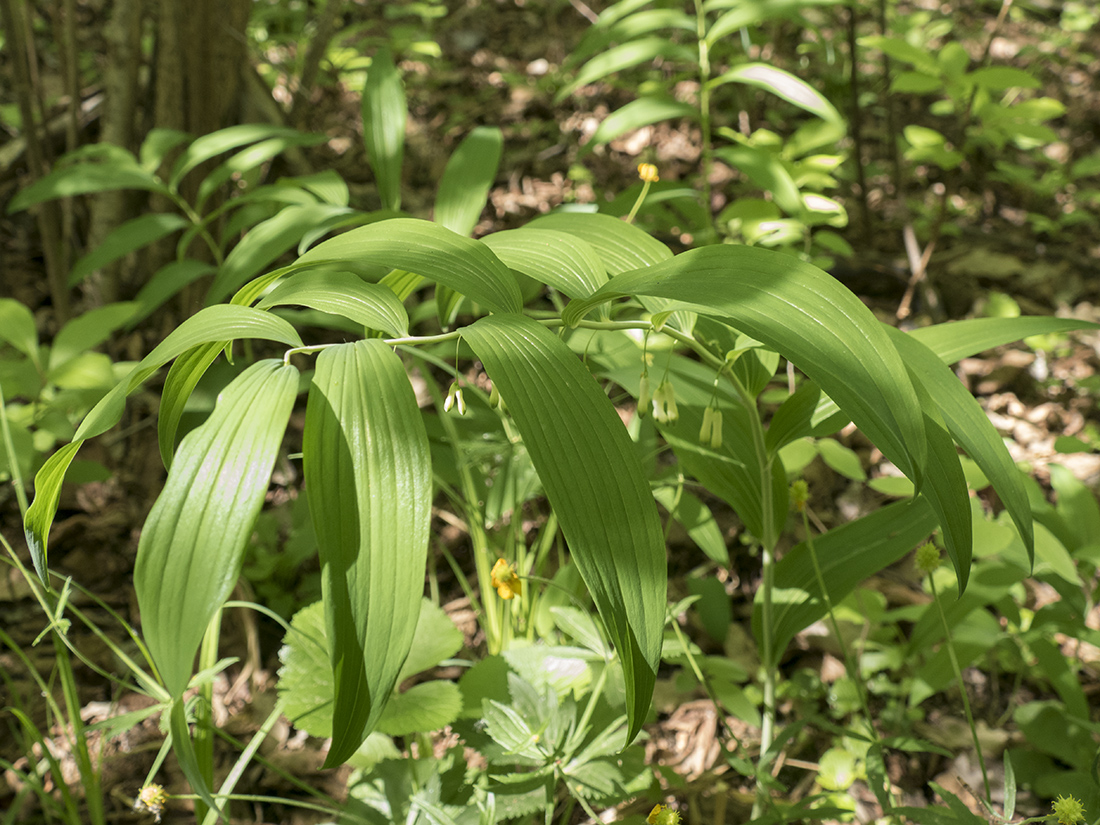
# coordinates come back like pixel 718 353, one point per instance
pixel 192 546
pixel 368 474
pixel 594 480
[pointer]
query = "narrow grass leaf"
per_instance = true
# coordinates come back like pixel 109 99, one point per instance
pixel 638 113
pixel 342 293
pixel 184 749
pixel 368 475
pixel 431 251
pixel 594 480
pixel 192 547
pixel 124 239
pixel 626 56
pixel 210 146
pixel 84 179
pixel 40 515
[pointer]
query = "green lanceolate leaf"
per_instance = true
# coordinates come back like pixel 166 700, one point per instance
pixel 847 555
pixel 465 184
pixel 972 429
pixel 639 113
pixel 39 517
pixel 341 293
pixel 961 339
pixel 192 546
pixel 186 372
pixel 384 114
pixel 801 312
pixel 84 179
pixel 594 480
pixel 124 239
pixel 566 262
pixel 431 251
pixel 368 476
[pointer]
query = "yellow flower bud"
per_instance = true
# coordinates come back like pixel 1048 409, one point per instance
pixel 648 172
pixel 503 577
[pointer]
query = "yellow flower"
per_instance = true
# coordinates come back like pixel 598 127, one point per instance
pixel 152 798
pixel 648 172
pixel 503 577
pixel 660 815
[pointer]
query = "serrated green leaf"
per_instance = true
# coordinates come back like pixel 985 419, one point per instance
pixel 345 294
pixel 384 114
pixel 421 709
pixel 971 428
pixel 192 546
pixel 368 473
pixel 431 251
pixel 847 555
pixel 467 179
pixel 594 480
pixel 803 313
pixel 566 262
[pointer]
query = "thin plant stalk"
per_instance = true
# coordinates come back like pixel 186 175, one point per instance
pixel 204 711
pixel 962 685
pixel 704 109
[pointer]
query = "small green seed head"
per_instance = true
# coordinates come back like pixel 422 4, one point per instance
pixel 1068 811
pixel 800 495
pixel 928 558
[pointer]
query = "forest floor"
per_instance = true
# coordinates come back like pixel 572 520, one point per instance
pixel 498 58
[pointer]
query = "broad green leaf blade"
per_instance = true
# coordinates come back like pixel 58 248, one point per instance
pixel 192 546
pixel 210 146
pixel 368 475
pixel 431 251
pixel 566 262
pixel 794 418
pixel 264 243
pixel 17 327
pixel 595 482
pixel 133 234
pixel 88 330
pixel 621 246
pixel 785 85
pixel 342 293
pixel 765 170
pixel 83 179
pixel 40 515
pixel 847 555
pixel 796 309
pixel 248 159
pixel 465 184
pixel 625 56
pixel 961 339
pixel 972 429
pixel 224 322
pixel 639 113
pixel 184 375
pixel 384 114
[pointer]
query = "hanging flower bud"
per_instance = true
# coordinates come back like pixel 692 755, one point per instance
pixel 645 395
pixel 664 403
pixel 711 431
pixel 455 399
